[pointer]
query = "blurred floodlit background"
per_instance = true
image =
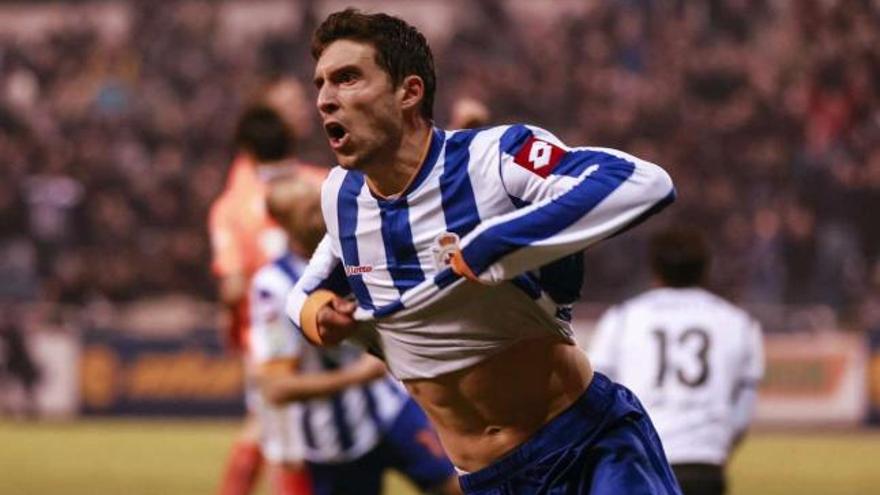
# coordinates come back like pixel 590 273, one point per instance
pixel 116 120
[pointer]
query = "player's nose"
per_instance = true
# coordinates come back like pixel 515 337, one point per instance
pixel 327 100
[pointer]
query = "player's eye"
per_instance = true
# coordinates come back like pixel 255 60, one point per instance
pixel 347 77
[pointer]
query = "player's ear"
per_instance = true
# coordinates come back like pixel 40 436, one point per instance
pixel 411 92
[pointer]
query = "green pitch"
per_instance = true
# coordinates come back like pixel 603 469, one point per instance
pixel 184 458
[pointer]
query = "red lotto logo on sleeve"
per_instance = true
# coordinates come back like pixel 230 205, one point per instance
pixel 538 156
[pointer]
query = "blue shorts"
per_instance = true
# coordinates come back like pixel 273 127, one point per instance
pixel 604 444
pixel 411 446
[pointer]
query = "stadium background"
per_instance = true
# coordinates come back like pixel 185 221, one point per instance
pixel 115 125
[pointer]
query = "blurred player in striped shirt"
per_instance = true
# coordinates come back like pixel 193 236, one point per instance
pixel 346 417
pixel 692 357
pixel 243 238
pixel 444 238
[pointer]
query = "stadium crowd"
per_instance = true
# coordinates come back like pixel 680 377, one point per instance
pixel 766 113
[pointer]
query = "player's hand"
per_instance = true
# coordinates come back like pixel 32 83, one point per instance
pixel 336 320
pixel 368 368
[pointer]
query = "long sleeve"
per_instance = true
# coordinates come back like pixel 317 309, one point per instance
pixel 570 198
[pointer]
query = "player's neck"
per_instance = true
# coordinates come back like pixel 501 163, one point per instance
pixel 391 180
pixel 297 249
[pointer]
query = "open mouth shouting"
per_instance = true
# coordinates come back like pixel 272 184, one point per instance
pixel 337 134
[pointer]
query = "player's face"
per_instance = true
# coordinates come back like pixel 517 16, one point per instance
pixel 359 105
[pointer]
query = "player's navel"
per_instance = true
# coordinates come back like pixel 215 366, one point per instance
pixel 493 430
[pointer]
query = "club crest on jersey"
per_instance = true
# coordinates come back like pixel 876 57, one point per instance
pixel 444 246
pixel 538 156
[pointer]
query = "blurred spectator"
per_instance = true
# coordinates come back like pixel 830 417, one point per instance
pixel 19 374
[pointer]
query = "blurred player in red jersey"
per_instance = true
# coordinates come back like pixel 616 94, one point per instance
pixel 243 238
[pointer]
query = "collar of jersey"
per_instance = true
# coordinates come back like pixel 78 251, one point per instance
pixel 437 138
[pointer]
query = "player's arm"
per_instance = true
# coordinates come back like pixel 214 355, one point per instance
pixel 226 258
pixel 316 305
pixel 286 384
pixel 569 198
pixel 228 268
pixel 232 289
pixel 746 390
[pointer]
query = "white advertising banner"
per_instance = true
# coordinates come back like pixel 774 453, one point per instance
pixel 814 379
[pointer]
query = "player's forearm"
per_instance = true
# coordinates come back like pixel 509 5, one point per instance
pixel 303 386
pixel 605 199
pixel 232 289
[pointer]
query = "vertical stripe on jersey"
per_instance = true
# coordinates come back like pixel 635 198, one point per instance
pixel 307 427
pixel 400 252
pixel 395 390
pixel 372 408
pixel 347 215
pixel 343 429
pixel 425 168
pixel 459 203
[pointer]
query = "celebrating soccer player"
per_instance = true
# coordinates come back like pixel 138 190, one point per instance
pixel 442 237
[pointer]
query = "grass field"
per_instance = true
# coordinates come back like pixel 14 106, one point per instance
pixel 184 458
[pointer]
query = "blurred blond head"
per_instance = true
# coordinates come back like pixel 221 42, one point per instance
pixel 288 97
pixel 295 203
pixel 468 113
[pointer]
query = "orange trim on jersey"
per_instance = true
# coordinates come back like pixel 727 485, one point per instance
pixel 460 267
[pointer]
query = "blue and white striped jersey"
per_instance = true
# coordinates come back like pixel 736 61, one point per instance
pixel 514 199
pixel 325 430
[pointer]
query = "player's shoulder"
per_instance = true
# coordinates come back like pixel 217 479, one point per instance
pixel 696 298
pixel 643 299
pixel 220 204
pixel 271 278
pixel 507 137
pixel 719 303
pixel 335 177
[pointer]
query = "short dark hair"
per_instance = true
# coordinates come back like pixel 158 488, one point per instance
pixel 401 50
pixel 263 133
pixel 679 256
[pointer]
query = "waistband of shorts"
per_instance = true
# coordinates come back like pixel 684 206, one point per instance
pixel 578 421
